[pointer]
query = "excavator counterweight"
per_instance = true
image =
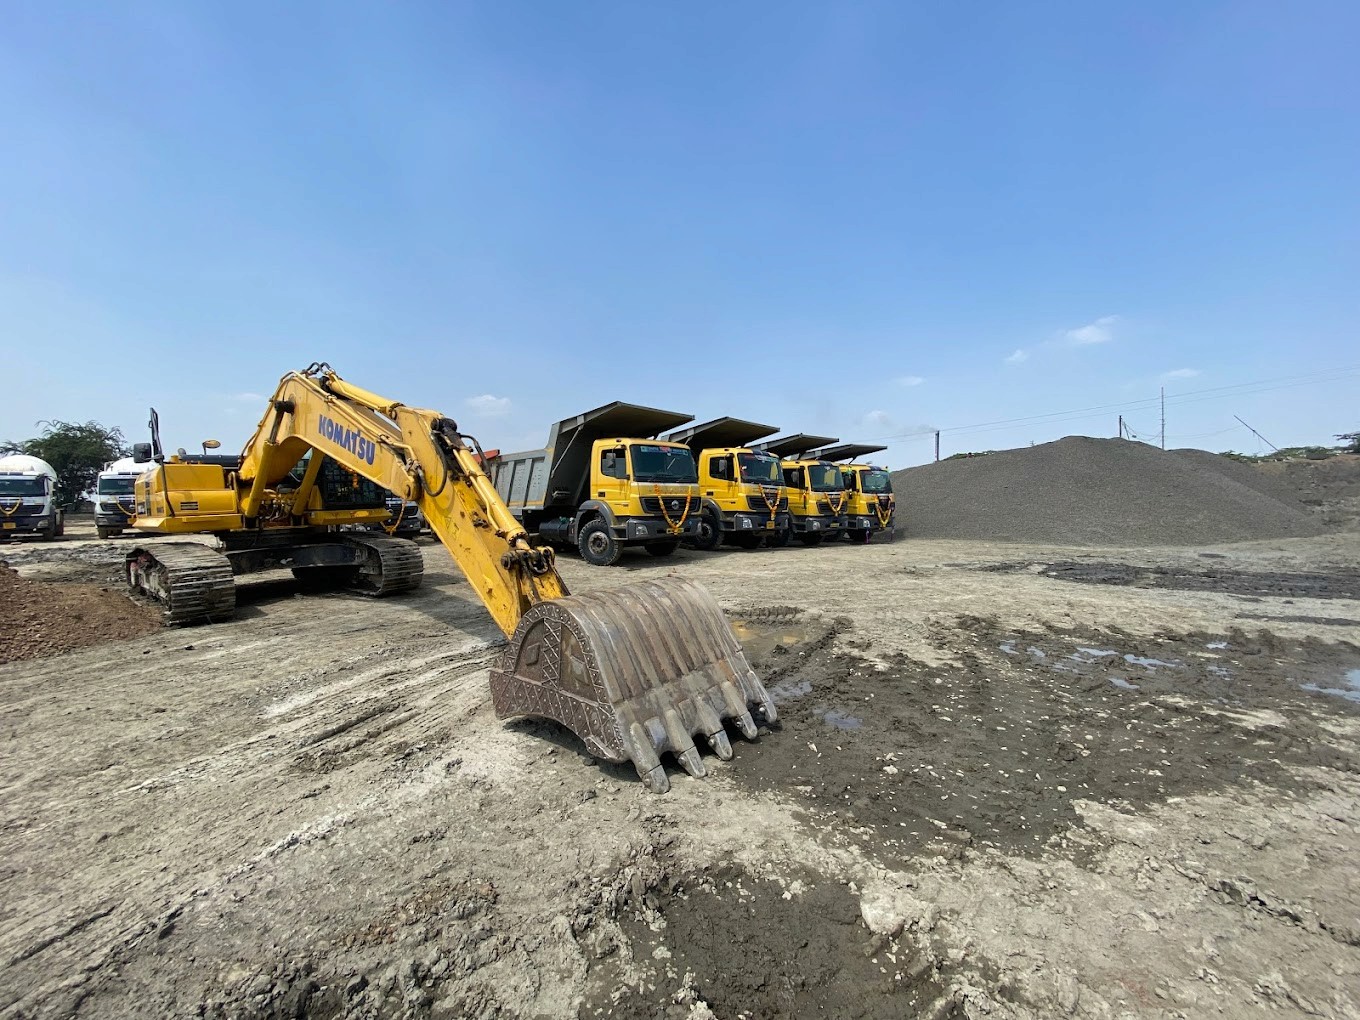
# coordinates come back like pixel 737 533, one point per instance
pixel 636 672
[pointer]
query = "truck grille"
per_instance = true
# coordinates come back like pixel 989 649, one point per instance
pixel 674 504
pixel 824 507
pixel 10 511
pixel 759 505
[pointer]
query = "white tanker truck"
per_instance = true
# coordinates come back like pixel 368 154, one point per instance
pixel 113 503
pixel 28 502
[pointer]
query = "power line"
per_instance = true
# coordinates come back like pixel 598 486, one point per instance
pixel 1189 397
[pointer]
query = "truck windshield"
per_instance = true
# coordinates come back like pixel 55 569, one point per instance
pixel 663 464
pixel 756 468
pixel 875 481
pixel 30 486
pixel 825 478
pixel 120 485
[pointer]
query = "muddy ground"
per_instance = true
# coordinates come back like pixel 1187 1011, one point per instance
pixel 1008 781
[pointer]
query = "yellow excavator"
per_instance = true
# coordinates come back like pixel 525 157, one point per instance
pixel 635 672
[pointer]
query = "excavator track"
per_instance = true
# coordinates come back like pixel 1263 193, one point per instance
pixel 192 583
pixel 390 565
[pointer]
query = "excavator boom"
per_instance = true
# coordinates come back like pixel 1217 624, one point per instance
pixel 636 672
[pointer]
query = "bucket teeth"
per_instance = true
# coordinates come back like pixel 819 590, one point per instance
pixel 636 673
pixel 722 747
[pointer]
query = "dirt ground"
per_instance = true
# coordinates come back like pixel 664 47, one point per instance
pixel 1008 782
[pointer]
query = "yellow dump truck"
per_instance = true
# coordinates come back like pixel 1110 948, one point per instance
pixel 601 484
pixel 870 505
pixel 815 487
pixel 741 490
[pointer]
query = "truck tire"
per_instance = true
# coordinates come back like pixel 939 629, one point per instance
pixel 710 532
pixel 810 538
pixel 102 531
pixel 598 546
pixel 661 548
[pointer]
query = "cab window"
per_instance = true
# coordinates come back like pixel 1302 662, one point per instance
pixel 613 463
pixel 721 467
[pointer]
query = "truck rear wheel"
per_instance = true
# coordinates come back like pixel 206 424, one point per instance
pixel 598 546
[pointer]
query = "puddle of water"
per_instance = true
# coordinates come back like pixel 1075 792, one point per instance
pixel 1037 654
pixel 841 719
pixel 1120 682
pixel 1139 660
pixel 1350 695
pixel 1008 647
pixel 1217 645
pixel 1095 653
pixel 787 690
pixel 1222 671
pixel 1351 692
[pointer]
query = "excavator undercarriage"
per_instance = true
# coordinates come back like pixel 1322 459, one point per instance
pixel 636 672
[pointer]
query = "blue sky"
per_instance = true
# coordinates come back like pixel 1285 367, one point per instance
pixel 864 220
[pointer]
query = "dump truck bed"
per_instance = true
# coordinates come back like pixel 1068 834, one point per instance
pixel 721 433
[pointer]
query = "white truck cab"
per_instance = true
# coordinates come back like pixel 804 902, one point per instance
pixel 113 501
pixel 28 503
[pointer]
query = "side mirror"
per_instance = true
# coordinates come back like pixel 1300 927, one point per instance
pixel 141 452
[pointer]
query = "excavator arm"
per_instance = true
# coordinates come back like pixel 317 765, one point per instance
pixel 637 671
pixel 417 454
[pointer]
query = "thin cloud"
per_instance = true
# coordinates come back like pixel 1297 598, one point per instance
pixel 910 380
pixel 488 406
pixel 1179 373
pixel 881 424
pixel 1099 332
pixel 1018 356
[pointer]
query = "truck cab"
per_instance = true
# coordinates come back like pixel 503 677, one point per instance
pixel 870 505
pixel 603 485
pixel 815 488
pixel 742 489
pixel 114 499
pixel 28 502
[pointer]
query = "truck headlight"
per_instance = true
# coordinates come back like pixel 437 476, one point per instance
pixel 746 522
pixel 814 525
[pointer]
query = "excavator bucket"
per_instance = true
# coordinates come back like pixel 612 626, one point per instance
pixel 634 672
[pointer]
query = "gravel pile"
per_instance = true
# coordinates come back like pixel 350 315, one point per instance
pixel 1081 491
pixel 1252 477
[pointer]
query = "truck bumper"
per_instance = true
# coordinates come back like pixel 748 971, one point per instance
pixel 754 522
pixel 826 525
pixel 114 520
pixel 24 525
pixel 647 529
pixel 869 523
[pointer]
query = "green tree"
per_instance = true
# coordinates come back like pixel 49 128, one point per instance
pixel 1352 441
pixel 77 451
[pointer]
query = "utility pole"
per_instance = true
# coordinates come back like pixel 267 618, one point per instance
pixel 1163 417
pixel 1121 426
pixel 1259 436
pixel 937 446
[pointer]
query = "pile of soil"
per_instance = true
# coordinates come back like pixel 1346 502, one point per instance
pixel 1094 492
pixel 40 618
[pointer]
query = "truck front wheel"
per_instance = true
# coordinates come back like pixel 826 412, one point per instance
pixel 598 546
pixel 710 532
pixel 102 531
